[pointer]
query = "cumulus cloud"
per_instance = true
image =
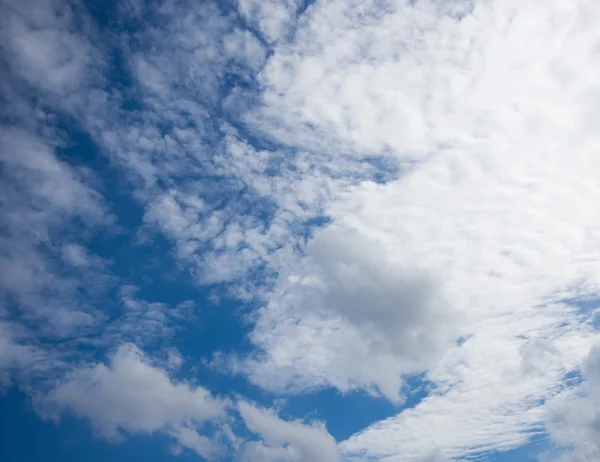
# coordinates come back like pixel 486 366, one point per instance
pixel 130 395
pixel 200 183
pixel 285 441
pixel 362 319
pixel 495 202
pixel 488 205
pixel 573 418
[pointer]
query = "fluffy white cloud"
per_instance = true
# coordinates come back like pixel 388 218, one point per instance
pixel 405 78
pixel 573 418
pixel 41 198
pixel 353 317
pixel 285 441
pixel 145 323
pixel 47 45
pixel 49 208
pixel 131 395
pixel 486 113
pixel 486 400
pixel 80 257
pixel 497 106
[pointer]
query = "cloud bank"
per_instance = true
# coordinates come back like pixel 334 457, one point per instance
pixel 390 190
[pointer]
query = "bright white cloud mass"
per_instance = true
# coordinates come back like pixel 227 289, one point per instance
pixel 215 213
pixel 133 396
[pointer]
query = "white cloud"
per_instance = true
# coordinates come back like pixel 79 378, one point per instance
pixel 79 257
pixel 43 197
pixel 410 79
pixel 274 19
pixel 573 418
pixel 201 46
pixel 485 400
pixel 58 187
pixel 282 441
pixel 489 113
pixel 174 359
pixel 189 438
pixel 433 456
pixel 499 210
pixel 495 213
pixel 199 184
pixel 45 47
pixel 354 317
pixel 131 395
pixel 49 208
pixel 146 323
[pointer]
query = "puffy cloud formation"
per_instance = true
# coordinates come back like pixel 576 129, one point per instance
pixel 131 395
pixel 362 318
pixel 284 441
pixel 573 419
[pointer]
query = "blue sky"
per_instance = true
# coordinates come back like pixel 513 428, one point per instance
pixel 297 231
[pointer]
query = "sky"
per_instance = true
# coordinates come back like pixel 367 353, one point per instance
pixel 300 231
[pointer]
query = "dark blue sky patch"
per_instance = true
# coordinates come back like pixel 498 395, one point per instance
pixel 343 413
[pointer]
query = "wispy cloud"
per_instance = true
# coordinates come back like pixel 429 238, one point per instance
pixel 145 323
pixel 43 201
pixel 49 207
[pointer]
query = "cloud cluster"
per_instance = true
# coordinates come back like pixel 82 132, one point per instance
pixel 146 323
pixel 49 207
pixel 131 395
pixel 14 355
pixel 495 203
pixel 350 316
pixel 41 196
pixel 47 279
pixel 283 441
pixel 400 187
pixel 573 418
